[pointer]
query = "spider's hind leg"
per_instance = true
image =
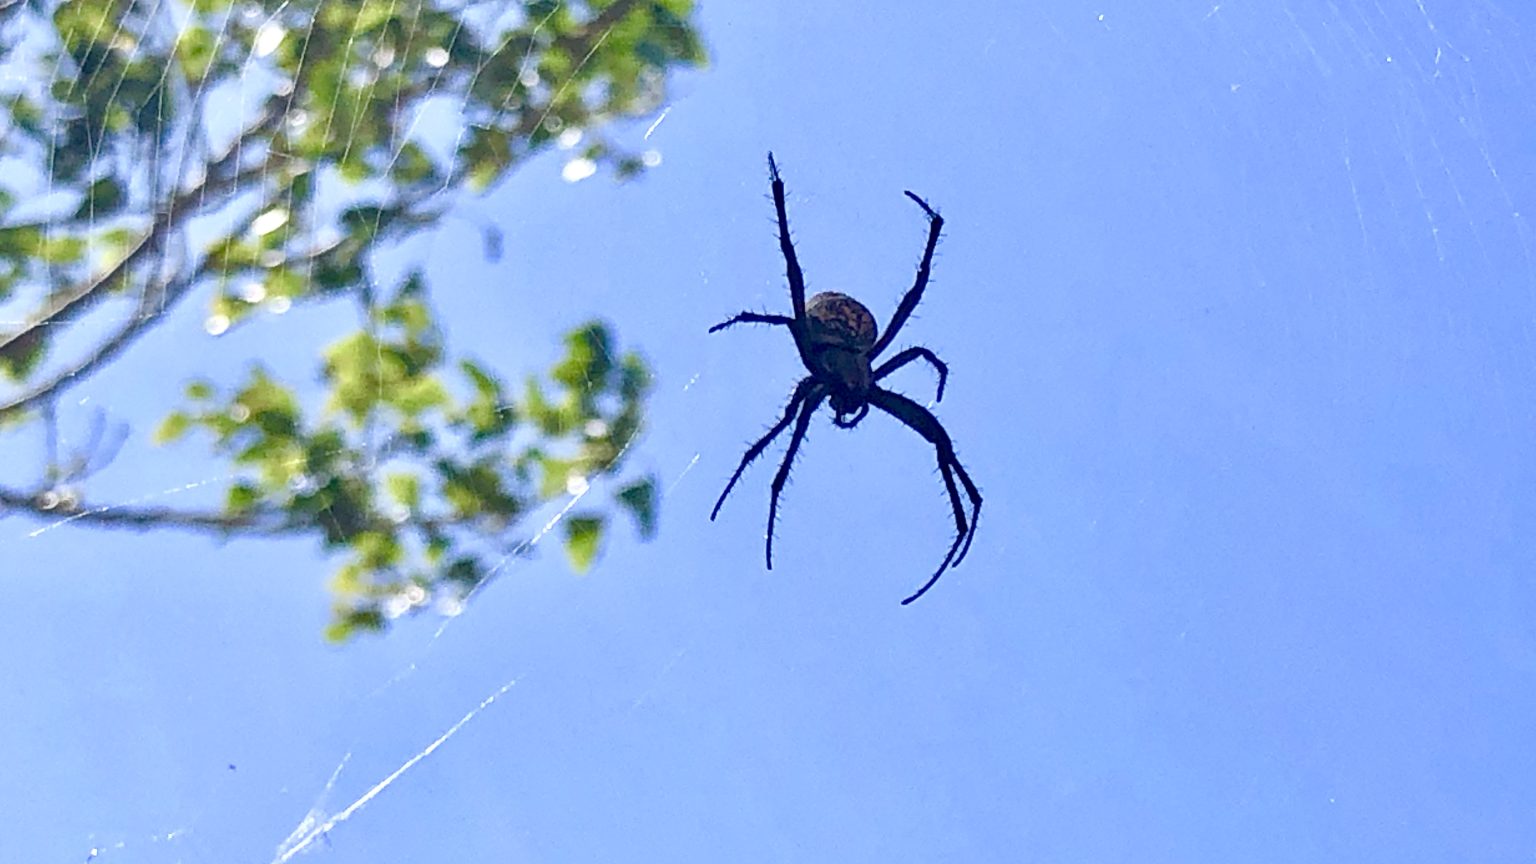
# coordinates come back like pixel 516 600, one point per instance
pixel 964 533
pixel 975 495
pixel 921 420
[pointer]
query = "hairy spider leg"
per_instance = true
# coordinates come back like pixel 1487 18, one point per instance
pixel 779 479
pixel 921 420
pixel 960 532
pixel 909 302
pixel 763 318
pixel 753 318
pixel 975 495
pixel 801 391
pixel 791 263
pixel 908 356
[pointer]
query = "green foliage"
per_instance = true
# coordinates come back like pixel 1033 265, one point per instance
pixel 582 534
pixel 456 477
pixel 419 467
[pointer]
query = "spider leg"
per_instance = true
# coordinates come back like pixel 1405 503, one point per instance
pixel 801 390
pixel 779 479
pixel 975 495
pixel 908 356
pixel 915 293
pixel 921 420
pixel 960 532
pixel 753 318
pixel 791 263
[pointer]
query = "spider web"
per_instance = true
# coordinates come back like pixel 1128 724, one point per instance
pixel 1339 182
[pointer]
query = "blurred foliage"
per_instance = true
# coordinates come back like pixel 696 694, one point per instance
pixel 260 154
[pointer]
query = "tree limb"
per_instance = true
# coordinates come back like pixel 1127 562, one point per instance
pixel 152 304
pixel 48 506
pixel 263 522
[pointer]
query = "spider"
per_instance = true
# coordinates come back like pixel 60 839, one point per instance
pixel 837 340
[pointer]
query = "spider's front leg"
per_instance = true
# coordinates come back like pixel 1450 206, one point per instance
pixel 914 294
pixel 786 245
pixel 753 318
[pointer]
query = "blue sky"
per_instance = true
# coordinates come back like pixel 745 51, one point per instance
pixel 1237 301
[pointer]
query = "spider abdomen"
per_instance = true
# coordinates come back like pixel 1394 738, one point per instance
pixel 839 321
pixel 841 332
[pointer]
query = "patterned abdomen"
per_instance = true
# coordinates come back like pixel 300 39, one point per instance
pixel 839 321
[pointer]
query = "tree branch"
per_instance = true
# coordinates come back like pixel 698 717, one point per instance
pixel 264 522
pixel 151 306
pixel 48 506
pixel 217 181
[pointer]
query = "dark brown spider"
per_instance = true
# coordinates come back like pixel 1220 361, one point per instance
pixel 838 340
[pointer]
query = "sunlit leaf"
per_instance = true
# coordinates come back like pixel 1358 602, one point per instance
pixel 242 496
pixel 173 427
pixel 405 489
pixel 583 536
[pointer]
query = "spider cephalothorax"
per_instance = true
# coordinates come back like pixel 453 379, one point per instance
pixel 838 342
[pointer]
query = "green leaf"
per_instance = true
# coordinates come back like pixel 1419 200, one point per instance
pixel 419 396
pixel 413 287
pixel 588 357
pixel 550 420
pixel 368 220
pixel 301 190
pixel 484 156
pixel 65 249
pixel 102 199
pixel 242 496
pixel 350 622
pixel 485 383
pixel 27 115
pixel 405 488
pixel 557 474
pixel 641 500
pixel 173 427
pixel 376 549
pixel 196 48
pixel 412 166
pixel 465 572
pixel 412 315
pixel 20 353
pixel 634 378
pixel 18 241
pixel 583 535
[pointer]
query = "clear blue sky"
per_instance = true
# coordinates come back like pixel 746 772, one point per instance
pixel 1238 304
